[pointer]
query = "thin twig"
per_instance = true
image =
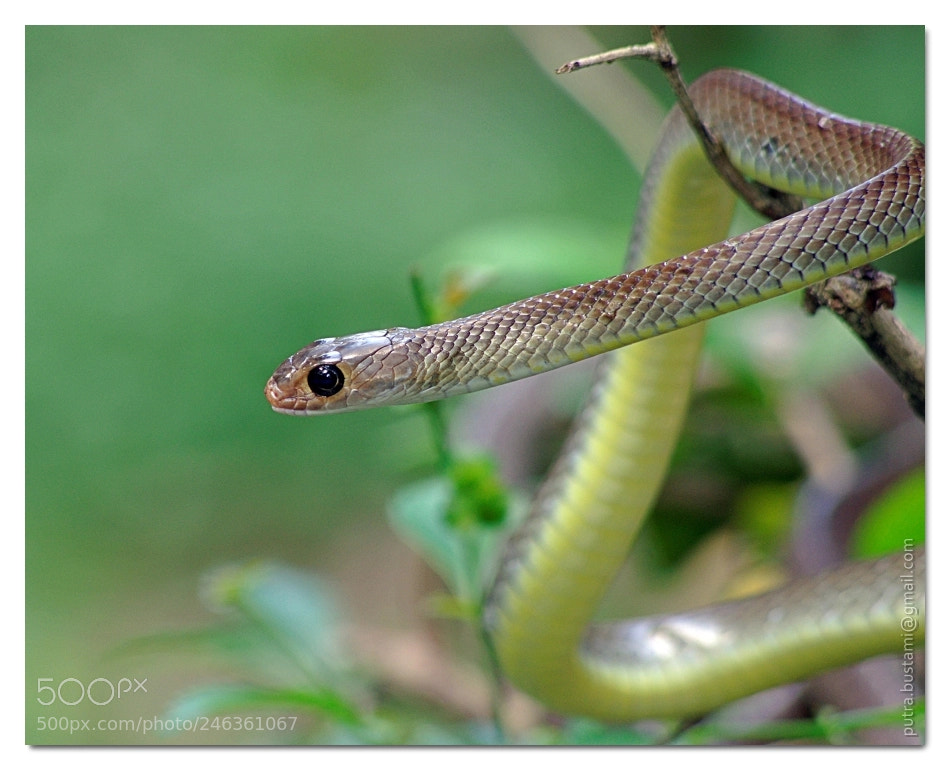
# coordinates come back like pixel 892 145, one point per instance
pixel 770 203
pixel 649 51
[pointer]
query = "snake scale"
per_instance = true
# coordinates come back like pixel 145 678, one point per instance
pixel 869 184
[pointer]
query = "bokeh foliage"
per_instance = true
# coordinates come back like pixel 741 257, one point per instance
pixel 201 202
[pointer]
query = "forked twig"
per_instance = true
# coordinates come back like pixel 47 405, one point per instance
pixel 768 202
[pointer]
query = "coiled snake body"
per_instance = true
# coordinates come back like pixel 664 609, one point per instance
pixel 870 181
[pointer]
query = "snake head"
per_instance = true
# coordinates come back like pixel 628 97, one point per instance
pixel 340 373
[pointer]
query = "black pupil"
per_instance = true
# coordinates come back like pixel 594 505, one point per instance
pixel 325 379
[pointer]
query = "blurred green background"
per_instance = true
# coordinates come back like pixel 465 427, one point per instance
pixel 202 202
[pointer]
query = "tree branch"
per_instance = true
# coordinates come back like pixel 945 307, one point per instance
pixel 863 299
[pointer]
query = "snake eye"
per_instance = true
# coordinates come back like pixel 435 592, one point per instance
pixel 325 379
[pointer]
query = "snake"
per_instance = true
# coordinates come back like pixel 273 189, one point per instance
pixel 866 185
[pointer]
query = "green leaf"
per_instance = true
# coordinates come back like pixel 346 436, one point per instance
pixel 480 498
pixel 893 519
pixel 587 732
pixel 463 556
pixel 828 726
pixel 291 603
pixel 221 699
pixel 530 254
